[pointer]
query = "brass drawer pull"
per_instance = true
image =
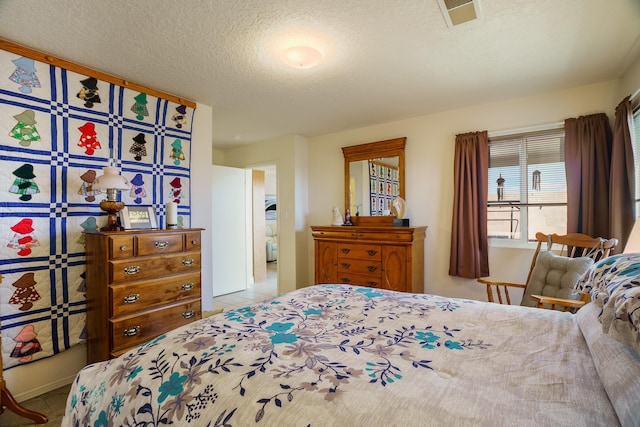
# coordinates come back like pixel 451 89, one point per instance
pixel 345 250
pixel 131 331
pixel 161 244
pixel 345 265
pixel 187 262
pixel 132 269
pixel 123 248
pixel 372 268
pixel 131 298
pixel 372 252
pixel 372 284
pixel 188 314
pixel 345 280
pixel 187 286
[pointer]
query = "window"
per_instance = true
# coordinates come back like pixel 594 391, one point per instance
pixel 527 185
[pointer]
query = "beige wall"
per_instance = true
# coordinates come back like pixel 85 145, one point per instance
pixel 290 156
pixel 630 81
pixel 429 172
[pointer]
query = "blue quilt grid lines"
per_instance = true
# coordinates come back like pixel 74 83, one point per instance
pixel 58 130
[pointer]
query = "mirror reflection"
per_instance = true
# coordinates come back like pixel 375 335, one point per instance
pixel 373 184
pixel 374 176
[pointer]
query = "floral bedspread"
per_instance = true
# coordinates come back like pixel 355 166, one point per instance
pixel 345 356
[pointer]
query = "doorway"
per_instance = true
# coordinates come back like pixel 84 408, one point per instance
pixel 265 226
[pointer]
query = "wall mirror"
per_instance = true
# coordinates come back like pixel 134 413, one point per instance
pixel 373 176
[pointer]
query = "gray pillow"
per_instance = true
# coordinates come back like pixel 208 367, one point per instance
pixel 555 276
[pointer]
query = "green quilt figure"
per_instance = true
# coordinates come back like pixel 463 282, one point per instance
pixel 24 130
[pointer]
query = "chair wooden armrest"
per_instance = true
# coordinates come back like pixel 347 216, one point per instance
pixel 568 304
pixel 499 287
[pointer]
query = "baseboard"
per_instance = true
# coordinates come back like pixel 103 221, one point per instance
pixel 45 388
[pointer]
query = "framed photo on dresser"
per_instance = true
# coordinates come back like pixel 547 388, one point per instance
pixel 138 218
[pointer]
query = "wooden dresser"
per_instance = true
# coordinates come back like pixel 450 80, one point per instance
pixel 383 257
pixel 140 284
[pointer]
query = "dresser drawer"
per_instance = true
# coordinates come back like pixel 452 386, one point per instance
pixel 120 247
pixel 359 266
pixel 192 241
pixel 387 237
pixel 159 244
pixel 151 267
pixel 369 252
pixel 359 280
pixel 346 234
pixel 130 331
pixel 129 297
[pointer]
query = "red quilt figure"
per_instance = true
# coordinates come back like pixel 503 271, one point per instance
pixel 23 239
pixel 176 190
pixel 89 139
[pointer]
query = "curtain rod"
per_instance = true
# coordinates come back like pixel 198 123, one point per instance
pixel 80 69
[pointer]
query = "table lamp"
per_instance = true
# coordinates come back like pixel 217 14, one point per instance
pixel 111 181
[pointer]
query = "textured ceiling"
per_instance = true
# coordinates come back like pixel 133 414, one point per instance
pixel 383 60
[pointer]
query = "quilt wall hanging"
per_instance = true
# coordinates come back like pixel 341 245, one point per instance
pixel 384 187
pixel 59 126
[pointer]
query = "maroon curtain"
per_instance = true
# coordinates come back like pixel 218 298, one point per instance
pixel 469 245
pixel 622 194
pixel 587 160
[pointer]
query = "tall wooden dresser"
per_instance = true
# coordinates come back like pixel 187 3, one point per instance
pixel 384 257
pixel 140 284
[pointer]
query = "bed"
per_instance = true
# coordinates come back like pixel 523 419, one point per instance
pixel 352 356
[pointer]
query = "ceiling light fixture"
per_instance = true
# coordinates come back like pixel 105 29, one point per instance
pixel 301 57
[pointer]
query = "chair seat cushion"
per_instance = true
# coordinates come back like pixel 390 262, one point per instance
pixel 555 276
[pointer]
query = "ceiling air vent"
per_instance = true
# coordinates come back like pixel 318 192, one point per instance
pixel 456 12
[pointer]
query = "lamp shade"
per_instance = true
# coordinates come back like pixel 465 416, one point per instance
pixel 111 179
pixel 633 242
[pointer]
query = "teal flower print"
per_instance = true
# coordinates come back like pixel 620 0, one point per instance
pixel 239 314
pixel 117 401
pixel 279 327
pixel 284 338
pixel 173 387
pixel 370 293
pixel 312 311
pixel 102 420
pixel 630 270
pixel 74 401
pixel 453 345
pixel 427 339
pixel 134 373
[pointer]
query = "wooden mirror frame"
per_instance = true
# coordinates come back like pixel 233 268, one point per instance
pixel 374 150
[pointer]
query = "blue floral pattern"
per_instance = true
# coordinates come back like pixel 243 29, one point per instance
pixel 327 339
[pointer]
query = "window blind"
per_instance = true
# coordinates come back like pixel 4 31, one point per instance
pixel 527 169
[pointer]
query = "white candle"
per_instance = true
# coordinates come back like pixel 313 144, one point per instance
pixel 172 214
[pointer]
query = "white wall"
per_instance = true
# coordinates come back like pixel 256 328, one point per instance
pixel 630 81
pixel 429 173
pixel 289 154
pixel 45 375
pixel 202 186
